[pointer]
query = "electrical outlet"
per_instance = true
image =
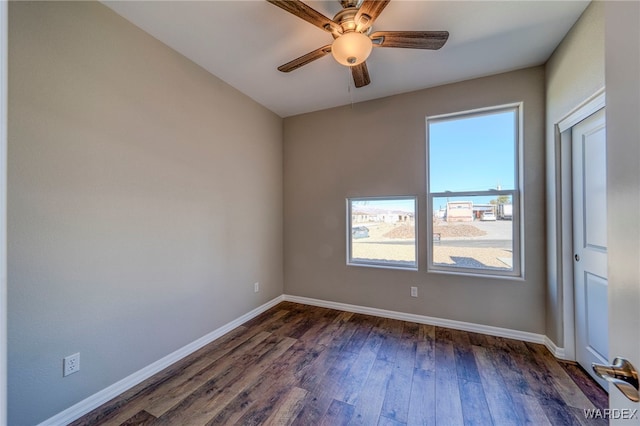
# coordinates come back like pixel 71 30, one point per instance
pixel 256 287
pixel 414 291
pixel 71 364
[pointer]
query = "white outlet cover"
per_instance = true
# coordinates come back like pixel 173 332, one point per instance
pixel 71 364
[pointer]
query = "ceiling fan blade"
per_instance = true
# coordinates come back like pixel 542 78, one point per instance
pixel 433 40
pixel 302 11
pixel 305 59
pixel 360 74
pixel 368 12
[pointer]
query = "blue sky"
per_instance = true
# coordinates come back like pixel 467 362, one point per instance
pixel 473 153
pixel 465 154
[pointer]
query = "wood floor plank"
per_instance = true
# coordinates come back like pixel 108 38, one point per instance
pixel 261 397
pixel 238 344
pixel 541 381
pixel 358 373
pixel 179 379
pixel 305 365
pixel 398 395
pixel 510 370
pixel 475 410
pixel 422 402
pixel 203 404
pixel 338 414
pixel 408 349
pixel 314 321
pixel 162 399
pixel 142 418
pixel 337 334
pixel 529 410
pixel 226 342
pixel 288 408
pixel 499 400
pixel 477 339
pixel 364 324
pixel 538 379
pixel 559 414
pixel 369 402
pixel 272 315
pixel 587 385
pixel 425 347
pixel 310 377
pixel 244 383
pixel 391 331
pixel 465 361
pixel 386 421
pixel 264 395
pixel 568 389
pixel 120 409
pixel 332 372
pixel 285 325
pixel 448 402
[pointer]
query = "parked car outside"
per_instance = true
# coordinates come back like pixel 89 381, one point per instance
pixel 360 232
pixel 488 216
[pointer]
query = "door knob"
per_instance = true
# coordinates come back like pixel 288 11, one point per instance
pixel 577 257
pixel 622 374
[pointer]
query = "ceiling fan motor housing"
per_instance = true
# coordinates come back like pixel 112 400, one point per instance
pixel 346 19
pixel 350 3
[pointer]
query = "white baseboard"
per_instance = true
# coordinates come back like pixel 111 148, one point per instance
pixel 440 322
pixel 555 350
pixel 94 401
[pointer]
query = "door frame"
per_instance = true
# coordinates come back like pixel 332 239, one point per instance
pixel 564 218
pixel 4 85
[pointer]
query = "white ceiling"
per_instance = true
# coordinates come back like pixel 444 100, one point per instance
pixel 244 41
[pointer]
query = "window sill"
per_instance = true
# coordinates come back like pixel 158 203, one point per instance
pixel 384 266
pixel 518 278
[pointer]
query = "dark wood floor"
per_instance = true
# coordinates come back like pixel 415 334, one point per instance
pixel 304 365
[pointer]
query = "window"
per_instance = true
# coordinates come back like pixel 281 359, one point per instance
pixel 473 192
pixel 382 232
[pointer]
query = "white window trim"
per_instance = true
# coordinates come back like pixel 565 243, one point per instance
pixel 376 264
pixel 517 200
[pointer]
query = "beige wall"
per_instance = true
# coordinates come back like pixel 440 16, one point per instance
pixel 144 200
pixel 574 72
pixel 377 148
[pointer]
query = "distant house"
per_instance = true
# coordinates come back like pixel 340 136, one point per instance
pixel 361 217
pixel 381 216
pixel 459 211
pixel 478 209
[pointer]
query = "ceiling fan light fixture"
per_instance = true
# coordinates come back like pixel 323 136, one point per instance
pixel 352 48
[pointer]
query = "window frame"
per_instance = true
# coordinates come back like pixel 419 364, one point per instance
pixel 379 264
pixel 516 195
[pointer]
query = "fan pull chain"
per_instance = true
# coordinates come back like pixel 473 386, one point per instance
pixel 349 82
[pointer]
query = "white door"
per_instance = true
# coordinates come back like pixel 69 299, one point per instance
pixel 622 32
pixel 590 242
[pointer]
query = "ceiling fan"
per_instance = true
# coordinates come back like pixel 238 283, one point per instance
pixel 353 40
